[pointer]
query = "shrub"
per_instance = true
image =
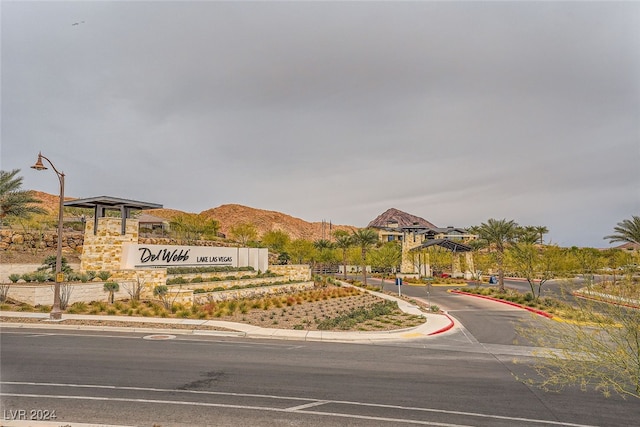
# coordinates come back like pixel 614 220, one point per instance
pixel 25 307
pixel 14 277
pixel 177 281
pixel 77 308
pixel 104 275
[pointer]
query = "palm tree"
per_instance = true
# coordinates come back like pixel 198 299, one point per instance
pixel 13 201
pixel 364 238
pixel 498 233
pixel 541 230
pixel 627 231
pixel 344 242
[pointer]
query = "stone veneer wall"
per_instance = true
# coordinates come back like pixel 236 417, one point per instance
pixel 409 265
pixel 292 271
pixel 147 278
pixel 102 251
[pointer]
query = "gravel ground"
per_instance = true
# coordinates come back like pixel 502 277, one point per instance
pixel 305 315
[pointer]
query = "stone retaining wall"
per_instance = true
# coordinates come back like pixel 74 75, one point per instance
pixel 42 293
pixel 229 283
pixel 251 292
pixel 11 239
pixel 292 271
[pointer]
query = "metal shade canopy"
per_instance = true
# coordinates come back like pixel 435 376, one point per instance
pixel 445 243
pixel 101 204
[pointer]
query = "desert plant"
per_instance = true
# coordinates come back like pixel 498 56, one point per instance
pixel 111 288
pixel 162 292
pixel 40 276
pixel 104 275
pixel 14 278
pixel 4 291
pixel 65 295
pixel 49 264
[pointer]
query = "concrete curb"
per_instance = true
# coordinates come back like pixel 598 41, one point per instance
pixel 435 324
pixel 513 304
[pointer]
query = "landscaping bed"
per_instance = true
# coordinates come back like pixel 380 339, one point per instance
pixel 325 308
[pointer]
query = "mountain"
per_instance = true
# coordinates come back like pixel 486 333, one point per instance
pixel 402 219
pixel 232 214
pixel 50 203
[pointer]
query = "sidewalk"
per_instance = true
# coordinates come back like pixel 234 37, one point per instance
pixel 435 324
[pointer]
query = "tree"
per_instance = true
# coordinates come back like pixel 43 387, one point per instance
pixel 343 242
pixel 13 201
pixel 498 234
pixel 536 264
pixel 603 354
pixel 324 252
pixel 541 230
pixel 162 292
pixel 244 232
pixel 111 288
pixel 194 227
pixel 588 262
pixel 627 231
pixel 300 251
pixel 276 240
pixel 364 238
pixel 134 288
pixel 386 257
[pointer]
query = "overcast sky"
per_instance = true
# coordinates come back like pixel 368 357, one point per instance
pixel 456 112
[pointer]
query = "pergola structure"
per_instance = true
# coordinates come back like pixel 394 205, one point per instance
pixel 445 243
pixel 101 204
pixel 454 246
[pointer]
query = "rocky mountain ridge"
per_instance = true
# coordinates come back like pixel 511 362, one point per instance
pixel 230 215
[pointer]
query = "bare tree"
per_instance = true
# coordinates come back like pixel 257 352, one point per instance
pixel 134 289
pixel 4 291
pixel 602 353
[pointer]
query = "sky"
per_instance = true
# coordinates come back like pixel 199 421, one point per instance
pixel 456 112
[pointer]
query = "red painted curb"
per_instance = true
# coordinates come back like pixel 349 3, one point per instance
pixel 446 328
pixel 533 310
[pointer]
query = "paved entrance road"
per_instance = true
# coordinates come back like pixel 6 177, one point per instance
pixel 478 320
pixel 125 379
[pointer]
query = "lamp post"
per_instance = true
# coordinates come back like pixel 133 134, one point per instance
pixel 56 312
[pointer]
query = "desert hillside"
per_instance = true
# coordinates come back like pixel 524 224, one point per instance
pixel 296 228
pixel 230 215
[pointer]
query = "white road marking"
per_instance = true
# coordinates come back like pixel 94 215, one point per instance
pixel 312 402
pixel 308 405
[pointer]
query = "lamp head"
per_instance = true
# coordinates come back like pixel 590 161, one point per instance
pixel 39 166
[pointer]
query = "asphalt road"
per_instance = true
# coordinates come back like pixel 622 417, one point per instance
pixel 466 377
pixel 479 320
pixel 125 379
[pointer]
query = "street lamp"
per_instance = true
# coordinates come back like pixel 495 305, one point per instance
pixel 56 312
